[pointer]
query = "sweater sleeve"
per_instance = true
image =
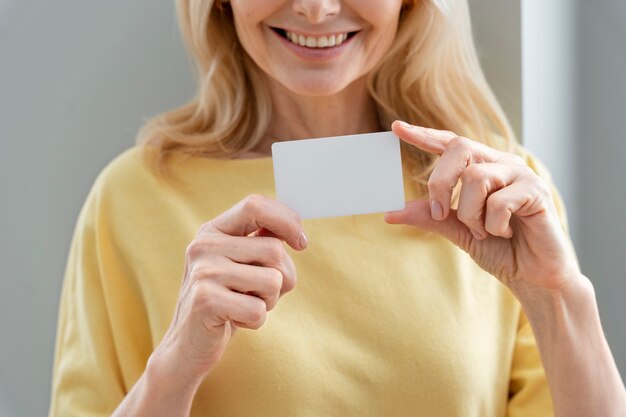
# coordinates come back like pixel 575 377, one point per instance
pixel 528 390
pixel 86 379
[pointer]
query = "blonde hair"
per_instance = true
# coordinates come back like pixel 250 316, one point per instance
pixel 431 77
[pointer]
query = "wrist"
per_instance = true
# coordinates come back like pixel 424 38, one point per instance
pixel 158 393
pixel 572 287
pixel 167 378
pixel 571 303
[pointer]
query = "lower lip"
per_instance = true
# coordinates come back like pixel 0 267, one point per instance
pixel 315 54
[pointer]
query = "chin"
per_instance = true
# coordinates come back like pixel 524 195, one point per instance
pixel 315 85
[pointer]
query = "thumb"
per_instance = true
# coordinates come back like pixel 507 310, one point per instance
pixel 417 213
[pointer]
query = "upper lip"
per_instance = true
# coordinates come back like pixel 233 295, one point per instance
pixel 305 33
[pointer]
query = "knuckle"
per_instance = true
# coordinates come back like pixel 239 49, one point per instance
pixel 257 313
pixel 473 173
pixel 459 142
pixel 202 298
pixel 205 228
pixel 496 204
pixel 254 203
pixel 271 302
pixel 289 283
pixel 290 277
pixel 274 280
pixel 200 247
pixel 275 250
pixel 205 272
pixel 194 250
pixel 437 186
pixel 543 188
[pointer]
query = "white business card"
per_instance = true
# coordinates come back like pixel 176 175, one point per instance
pixel 339 176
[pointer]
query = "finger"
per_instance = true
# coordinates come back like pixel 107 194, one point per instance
pixel 255 212
pixel 263 232
pixel 221 305
pixel 417 213
pixel 522 198
pixel 479 181
pixel 445 177
pixel 436 141
pixel 429 140
pixel 257 281
pixel 264 251
pixel 269 252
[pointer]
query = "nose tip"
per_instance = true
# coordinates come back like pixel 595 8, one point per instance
pixel 316 11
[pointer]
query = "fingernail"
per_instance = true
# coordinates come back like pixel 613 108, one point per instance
pixel 404 124
pixel 303 241
pixel 436 211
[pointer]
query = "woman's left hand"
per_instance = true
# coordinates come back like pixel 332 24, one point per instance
pixel 506 219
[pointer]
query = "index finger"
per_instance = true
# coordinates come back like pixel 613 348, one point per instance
pixel 255 212
pixel 430 140
pixel 436 141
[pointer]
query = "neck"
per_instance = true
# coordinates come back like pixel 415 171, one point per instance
pixel 351 111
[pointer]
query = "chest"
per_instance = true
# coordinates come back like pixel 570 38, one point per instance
pixel 384 320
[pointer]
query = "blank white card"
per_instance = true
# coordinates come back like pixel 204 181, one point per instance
pixel 339 176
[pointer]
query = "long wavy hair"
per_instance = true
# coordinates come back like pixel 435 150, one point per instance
pixel 431 76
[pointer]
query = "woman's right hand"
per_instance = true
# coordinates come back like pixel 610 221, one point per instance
pixel 236 269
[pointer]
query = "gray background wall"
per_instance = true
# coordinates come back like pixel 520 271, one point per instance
pixel 600 165
pixel 78 78
pixel 574 105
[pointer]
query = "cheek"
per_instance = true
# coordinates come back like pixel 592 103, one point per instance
pixel 383 20
pixel 252 41
pixel 377 13
pixel 381 40
pixel 248 16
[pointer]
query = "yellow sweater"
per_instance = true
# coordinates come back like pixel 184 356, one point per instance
pixel 384 321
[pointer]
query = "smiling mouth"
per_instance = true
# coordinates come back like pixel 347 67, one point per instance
pixel 317 42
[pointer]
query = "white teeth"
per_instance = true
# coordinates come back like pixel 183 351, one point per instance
pixel 317 41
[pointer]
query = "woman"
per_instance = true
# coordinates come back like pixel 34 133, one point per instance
pixel 385 320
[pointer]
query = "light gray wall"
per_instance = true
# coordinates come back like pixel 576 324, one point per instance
pixel 549 77
pixel 497 31
pixel 601 160
pixel 77 79
pixel 574 94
